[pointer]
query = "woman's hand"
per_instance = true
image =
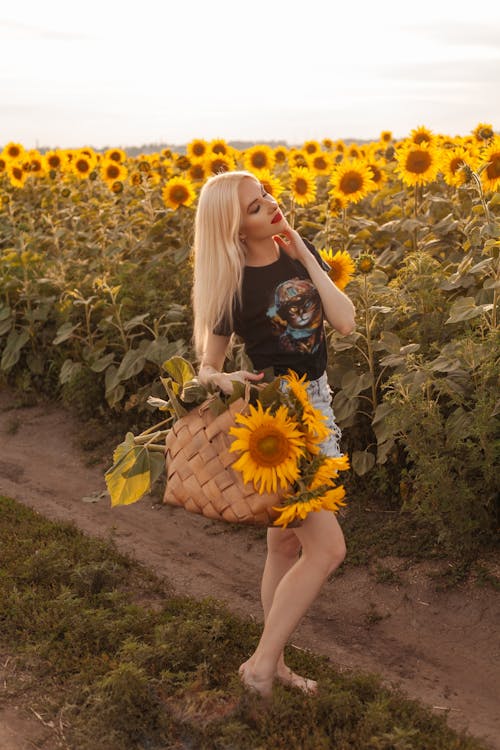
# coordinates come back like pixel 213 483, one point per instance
pixel 292 243
pixel 223 380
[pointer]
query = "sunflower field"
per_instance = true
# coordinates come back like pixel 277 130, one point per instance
pixel 95 284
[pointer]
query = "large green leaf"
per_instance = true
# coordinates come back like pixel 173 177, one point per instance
pixel 15 342
pixel 180 369
pixel 362 462
pixel 133 473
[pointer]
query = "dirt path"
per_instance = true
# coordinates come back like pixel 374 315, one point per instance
pixel 439 647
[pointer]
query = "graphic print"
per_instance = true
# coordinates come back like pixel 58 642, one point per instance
pixel 296 315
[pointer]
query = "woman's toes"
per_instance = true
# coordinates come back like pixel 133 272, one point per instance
pixel 292 679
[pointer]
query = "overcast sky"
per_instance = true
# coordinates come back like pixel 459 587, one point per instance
pixel 108 73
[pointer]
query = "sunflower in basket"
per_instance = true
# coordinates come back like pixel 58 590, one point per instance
pixel 276 442
pixel 281 445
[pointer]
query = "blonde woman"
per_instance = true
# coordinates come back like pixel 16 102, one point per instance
pixel 254 276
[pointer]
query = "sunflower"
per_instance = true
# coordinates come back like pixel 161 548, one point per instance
pixel 182 162
pixel 483 132
pixel 270 446
pixel 331 499
pixel 365 263
pixel 386 136
pixel 379 174
pixel 327 144
pixel 354 152
pixel 490 176
pixel 82 164
pixel 3 164
pixel 17 174
pixel 13 151
pixel 197 171
pixel 36 163
pixel 111 171
pixel 342 266
pixel 452 165
pixel 352 180
pixel 320 162
pixel 328 470
pixel 270 183
pixel 302 185
pixel 178 192
pixel 219 146
pixel 421 135
pixel 280 154
pixel 297 158
pixel 311 147
pixel 53 159
pixel 312 418
pixel 258 158
pixel 115 154
pixel 217 163
pixel 197 149
pixel 336 203
pixel 417 164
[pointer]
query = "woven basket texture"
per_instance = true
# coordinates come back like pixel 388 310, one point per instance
pixel 200 476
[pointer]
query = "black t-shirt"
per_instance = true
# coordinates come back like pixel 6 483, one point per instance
pixel 281 317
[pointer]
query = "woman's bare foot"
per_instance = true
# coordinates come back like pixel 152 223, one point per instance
pixel 262 686
pixel 292 679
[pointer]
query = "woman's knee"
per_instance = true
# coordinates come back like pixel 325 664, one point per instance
pixel 283 542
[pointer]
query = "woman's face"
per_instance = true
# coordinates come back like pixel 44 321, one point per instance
pixel 260 215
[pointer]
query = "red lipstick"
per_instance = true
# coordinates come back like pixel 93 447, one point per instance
pixel 277 217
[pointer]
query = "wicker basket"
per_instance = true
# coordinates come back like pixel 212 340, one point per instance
pixel 200 476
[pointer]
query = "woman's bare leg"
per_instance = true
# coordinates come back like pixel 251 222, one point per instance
pixel 323 550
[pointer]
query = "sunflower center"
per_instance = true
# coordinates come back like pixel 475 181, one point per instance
pixel 320 162
pixel 455 164
pixel 113 171
pixel 377 174
pixel 198 149
pixel 219 148
pixel 351 182
pixel 493 169
pixel 219 165
pixel 82 165
pixel 418 162
pixel 301 186
pixel 179 194
pixel 17 172
pixel 115 156
pixel 268 446
pixel 197 172
pixel 54 161
pixel 259 160
pixel 14 152
pixel 421 138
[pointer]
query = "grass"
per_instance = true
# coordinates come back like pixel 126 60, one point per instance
pixel 116 660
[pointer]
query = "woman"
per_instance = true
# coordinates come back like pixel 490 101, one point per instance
pixel 254 276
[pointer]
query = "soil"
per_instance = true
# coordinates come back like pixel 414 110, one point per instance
pixel 438 646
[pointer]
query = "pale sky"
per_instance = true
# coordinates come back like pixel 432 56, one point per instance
pixel 118 74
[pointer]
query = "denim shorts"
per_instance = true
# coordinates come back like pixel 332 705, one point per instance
pixel 320 395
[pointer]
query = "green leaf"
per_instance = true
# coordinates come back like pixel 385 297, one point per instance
pixel 362 462
pixel 180 370
pixel 380 423
pixel 65 332
pixel 131 364
pixel 464 308
pixel 15 342
pixel 344 407
pixel 102 363
pixel 353 384
pixel 68 370
pixel 134 470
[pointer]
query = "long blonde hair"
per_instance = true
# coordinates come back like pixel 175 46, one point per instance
pixel 219 255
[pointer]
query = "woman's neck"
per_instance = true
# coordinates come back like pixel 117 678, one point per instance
pixel 262 253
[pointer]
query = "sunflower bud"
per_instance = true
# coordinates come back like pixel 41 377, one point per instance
pixel 365 263
pixel 117 187
pixel 65 192
pixel 467 172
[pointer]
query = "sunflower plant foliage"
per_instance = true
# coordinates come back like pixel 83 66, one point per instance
pixel 276 443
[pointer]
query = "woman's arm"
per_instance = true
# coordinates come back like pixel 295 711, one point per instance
pixel 338 308
pixel 212 362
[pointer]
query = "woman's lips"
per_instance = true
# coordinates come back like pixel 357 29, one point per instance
pixel 277 218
